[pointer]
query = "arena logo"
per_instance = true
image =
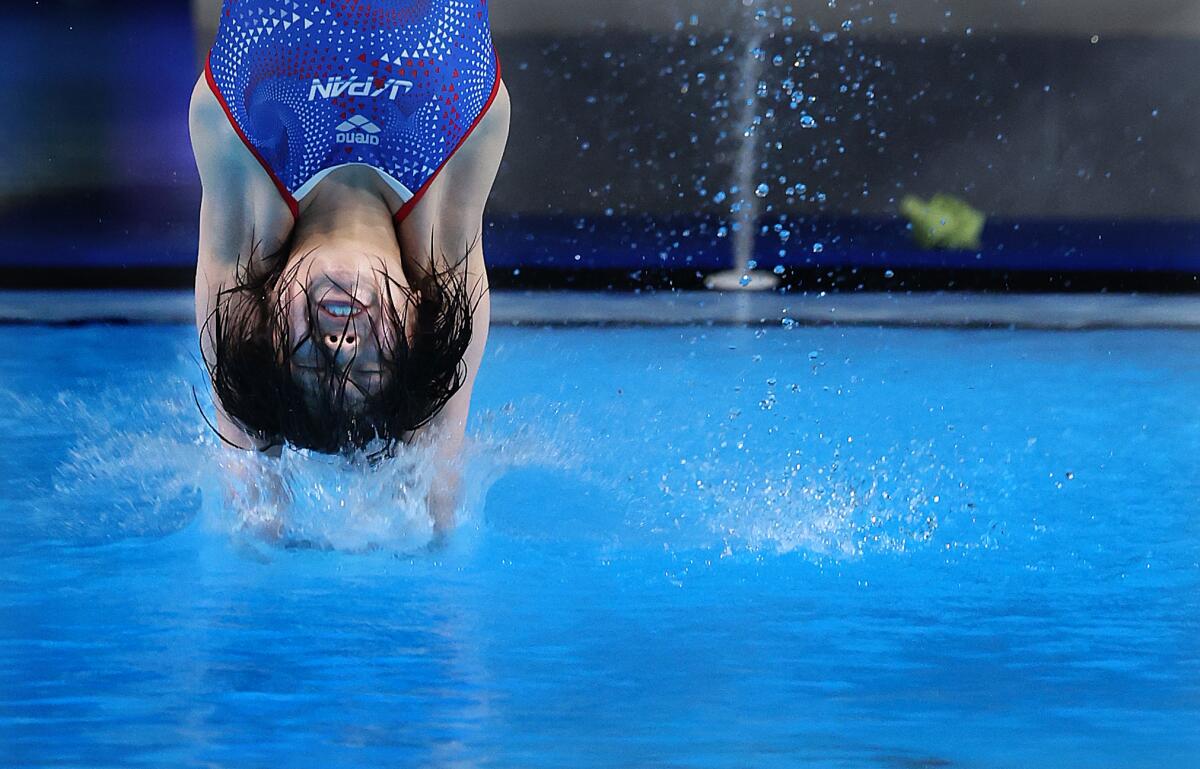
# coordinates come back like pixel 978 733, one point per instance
pixel 358 130
pixel 334 87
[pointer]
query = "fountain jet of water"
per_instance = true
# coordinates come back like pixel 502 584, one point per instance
pixel 749 207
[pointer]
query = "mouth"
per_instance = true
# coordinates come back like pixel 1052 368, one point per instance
pixel 339 309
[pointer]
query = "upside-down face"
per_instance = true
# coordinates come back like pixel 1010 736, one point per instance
pixel 344 315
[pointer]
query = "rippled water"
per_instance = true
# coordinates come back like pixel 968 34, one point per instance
pixel 693 547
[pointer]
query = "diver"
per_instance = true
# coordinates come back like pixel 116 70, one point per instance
pixel 346 150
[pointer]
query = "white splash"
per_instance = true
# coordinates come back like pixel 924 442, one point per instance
pixel 146 467
pixel 120 481
pixel 303 499
pixel 843 509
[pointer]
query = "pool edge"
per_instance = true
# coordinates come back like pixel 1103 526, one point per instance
pixel 1068 312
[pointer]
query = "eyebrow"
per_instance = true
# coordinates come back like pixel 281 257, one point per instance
pixel 324 369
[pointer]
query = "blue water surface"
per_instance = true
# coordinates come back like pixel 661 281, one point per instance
pixel 688 547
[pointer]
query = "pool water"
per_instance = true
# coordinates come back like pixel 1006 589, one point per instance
pixel 685 547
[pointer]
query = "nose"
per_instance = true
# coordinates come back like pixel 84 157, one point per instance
pixel 342 334
pixel 340 340
pixel 344 339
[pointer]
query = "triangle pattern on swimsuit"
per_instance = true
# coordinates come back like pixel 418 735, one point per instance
pixel 314 85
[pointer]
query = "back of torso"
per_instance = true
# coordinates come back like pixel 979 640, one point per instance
pixel 315 85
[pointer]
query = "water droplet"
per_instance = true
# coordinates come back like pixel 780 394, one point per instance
pixel 818 248
pixel 779 270
pixel 744 281
pixel 889 274
pixel 762 190
pixel 807 121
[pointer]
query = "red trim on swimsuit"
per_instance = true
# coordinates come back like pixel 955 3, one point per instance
pixel 292 204
pixel 419 193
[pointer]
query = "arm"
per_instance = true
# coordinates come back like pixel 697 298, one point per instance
pixel 238 205
pixel 452 210
pixel 449 427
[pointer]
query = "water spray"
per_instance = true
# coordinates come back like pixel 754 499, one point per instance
pixel 742 276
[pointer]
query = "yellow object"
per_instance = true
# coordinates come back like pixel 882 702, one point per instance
pixel 944 222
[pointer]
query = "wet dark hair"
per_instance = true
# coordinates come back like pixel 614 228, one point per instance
pixel 249 361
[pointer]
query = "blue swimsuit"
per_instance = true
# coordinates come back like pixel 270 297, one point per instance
pixel 314 85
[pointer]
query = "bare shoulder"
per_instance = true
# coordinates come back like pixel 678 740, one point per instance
pixel 240 208
pixel 214 142
pixel 451 212
pixel 497 117
pixel 485 147
pixel 472 170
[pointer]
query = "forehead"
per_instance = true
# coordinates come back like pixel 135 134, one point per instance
pixel 325 382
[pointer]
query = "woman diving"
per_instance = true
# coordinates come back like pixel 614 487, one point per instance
pixel 346 150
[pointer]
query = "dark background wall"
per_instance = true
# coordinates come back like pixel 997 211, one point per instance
pixel 1036 126
pixel 95 164
pixel 1074 124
